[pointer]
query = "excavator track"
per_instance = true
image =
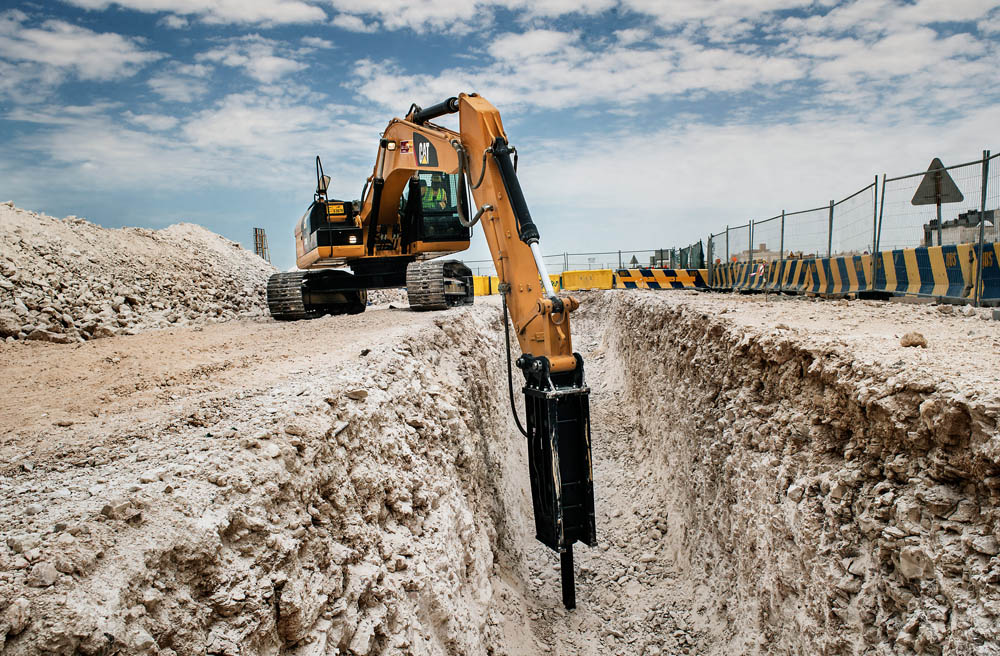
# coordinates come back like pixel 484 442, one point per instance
pixel 438 285
pixel 284 296
pixel 311 294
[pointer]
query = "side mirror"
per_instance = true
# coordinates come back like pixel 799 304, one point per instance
pixel 324 184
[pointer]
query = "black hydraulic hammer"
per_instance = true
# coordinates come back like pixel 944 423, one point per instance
pixel 562 482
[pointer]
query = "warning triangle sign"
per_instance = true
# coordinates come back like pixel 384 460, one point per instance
pixel 937 187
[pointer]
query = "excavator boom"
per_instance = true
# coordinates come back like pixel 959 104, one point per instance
pixel 556 397
pixel 428 188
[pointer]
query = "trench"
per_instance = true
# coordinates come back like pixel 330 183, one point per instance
pixel 755 494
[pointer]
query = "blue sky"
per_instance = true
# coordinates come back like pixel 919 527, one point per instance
pixel 640 123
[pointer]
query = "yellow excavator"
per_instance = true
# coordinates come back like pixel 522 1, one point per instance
pixel 418 205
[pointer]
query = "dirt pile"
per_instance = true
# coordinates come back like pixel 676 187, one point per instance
pixel 826 489
pixel 68 280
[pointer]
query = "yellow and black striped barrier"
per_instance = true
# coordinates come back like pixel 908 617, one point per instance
pixel 652 278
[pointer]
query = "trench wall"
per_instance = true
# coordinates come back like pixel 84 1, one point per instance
pixel 815 507
pixel 366 513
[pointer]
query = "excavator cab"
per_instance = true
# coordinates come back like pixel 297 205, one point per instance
pixel 433 213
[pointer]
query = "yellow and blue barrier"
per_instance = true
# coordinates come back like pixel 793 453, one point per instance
pixel 989 283
pixel 942 272
pixel 947 272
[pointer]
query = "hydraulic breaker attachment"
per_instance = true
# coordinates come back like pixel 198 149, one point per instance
pixel 562 484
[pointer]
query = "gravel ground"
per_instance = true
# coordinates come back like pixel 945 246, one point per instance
pixel 772 476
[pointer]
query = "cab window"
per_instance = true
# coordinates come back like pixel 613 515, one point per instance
pixel 439 199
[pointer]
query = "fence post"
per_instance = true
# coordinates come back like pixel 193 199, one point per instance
pixel 829 234
pixel 982 227
pixel 881 210
pixel 619 259
pixel 727 244
pixel 750 234
pixel 711 260
pixel 781 252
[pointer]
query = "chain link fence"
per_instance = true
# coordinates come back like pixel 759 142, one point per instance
pixel 767 239
pixel 561 262
pixel 807 233
pixel 738 243
pixel 991 229
pixel 911 218
pixel 854 223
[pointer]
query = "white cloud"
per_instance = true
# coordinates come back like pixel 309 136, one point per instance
pixel 156 122
pixel 256 56
pixel 314 42
pixel 248 122
pixel 555 70
pixel 181 82
pixel 460 17
pixel 353 23
pixel 241 141
pixel 990 25
pixel 70 49
pixel 675 13
pixel 421 15
pixel 534 43
pixel 173 21
pixel 27 82
pixel 632 35
pixel 555 8
pixel 265 12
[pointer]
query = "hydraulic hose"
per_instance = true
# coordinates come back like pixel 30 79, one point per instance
pixel 510 376
pixel 482 170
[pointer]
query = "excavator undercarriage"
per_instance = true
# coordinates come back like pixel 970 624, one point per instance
pixel 431 285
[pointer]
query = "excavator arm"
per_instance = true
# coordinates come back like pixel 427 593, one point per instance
pixel 556 397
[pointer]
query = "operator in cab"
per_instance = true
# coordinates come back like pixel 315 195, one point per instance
pixel 434 197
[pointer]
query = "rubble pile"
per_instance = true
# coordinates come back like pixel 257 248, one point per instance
pixel 69 280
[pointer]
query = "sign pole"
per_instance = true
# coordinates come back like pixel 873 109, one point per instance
pixel 982 228
pixel 936 188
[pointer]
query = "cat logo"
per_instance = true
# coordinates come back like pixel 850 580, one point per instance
pixel 426 153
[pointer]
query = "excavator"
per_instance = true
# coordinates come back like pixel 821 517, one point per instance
pixel 416 206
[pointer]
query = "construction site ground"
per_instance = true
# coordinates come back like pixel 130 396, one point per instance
pixel 773 475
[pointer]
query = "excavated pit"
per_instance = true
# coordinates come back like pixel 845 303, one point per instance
pixel 772 476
